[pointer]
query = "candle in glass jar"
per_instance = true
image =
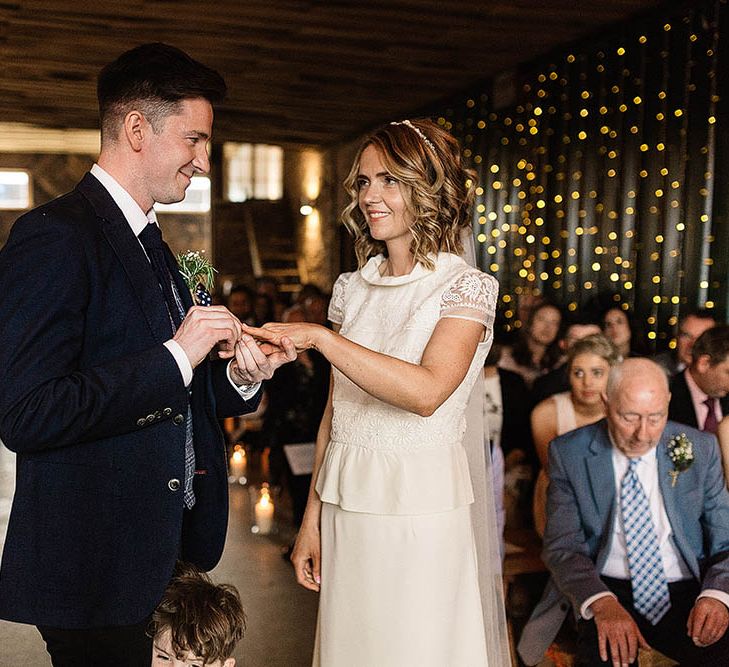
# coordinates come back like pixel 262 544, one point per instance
pixel 264 514
pixel 238 463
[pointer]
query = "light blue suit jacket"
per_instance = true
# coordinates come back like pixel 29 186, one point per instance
pixel 580 512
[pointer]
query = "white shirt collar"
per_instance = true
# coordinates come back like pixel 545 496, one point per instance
pixel 621 460
pixel 134 215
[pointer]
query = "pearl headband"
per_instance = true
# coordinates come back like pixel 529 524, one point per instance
pixel 418 131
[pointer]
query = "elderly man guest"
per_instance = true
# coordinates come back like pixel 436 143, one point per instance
pixel 109 397
pixel 699 393
pixel 641 560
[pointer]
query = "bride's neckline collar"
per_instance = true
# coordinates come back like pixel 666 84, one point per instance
pixel 371 271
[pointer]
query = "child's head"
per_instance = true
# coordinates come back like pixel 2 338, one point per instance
pixel 197 622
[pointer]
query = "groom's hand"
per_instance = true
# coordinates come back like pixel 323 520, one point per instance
pixel 255 363
pixel 205 327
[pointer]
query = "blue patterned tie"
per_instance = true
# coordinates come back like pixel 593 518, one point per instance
pixel 650 587
pixel 151 239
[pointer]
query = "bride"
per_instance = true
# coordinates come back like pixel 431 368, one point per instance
pixel 397 535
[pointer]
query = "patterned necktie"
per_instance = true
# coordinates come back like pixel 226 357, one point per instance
pixel 151 239
pixel 650 587
pixel 711 423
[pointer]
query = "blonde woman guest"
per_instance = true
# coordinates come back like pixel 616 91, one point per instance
pixel 589 361
pixel 388 537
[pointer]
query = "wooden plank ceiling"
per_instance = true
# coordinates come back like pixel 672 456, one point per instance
pixel 299 72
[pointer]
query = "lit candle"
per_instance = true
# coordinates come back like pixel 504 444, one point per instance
pixel 238 463
pixel 264 513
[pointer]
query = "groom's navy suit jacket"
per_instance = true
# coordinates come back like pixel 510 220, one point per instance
pixel 95 406
pixel 580 510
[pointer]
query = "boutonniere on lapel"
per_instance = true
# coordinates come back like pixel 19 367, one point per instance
pixel 199 275
pixel 681 453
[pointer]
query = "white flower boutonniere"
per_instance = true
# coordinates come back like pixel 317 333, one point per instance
pixel 681 452
pixel 199 275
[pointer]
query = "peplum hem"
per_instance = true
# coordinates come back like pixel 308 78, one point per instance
pixel 377 481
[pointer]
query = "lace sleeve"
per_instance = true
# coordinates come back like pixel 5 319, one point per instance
pixel 336 305
pixel 471 297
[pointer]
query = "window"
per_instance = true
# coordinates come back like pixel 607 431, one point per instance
pixel 252 171
pixel 15 191
pixel 197 198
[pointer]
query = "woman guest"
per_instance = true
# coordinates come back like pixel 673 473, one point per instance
pixel 390 536
pixel 536 350
pixel 621 332
pixel 589 361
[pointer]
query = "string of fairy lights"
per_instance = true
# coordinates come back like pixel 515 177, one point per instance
pixel 598 178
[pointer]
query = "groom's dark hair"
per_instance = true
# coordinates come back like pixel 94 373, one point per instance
pixel 153 78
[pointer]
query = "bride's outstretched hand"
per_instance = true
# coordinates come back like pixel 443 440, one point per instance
pixel 304 335
pixel 306 558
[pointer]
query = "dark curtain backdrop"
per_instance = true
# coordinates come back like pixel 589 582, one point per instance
pixel 602 172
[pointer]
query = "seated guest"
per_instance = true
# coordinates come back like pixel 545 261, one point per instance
pixel 588 364
pixel 578 327
pixel 197 622
pixel 240 303
pixel 506 420
pixel 296 402
pixel 536 350
pixel 637 549
pixel 268 286
pixel 690 327
pixel 699 393
pixel 621 331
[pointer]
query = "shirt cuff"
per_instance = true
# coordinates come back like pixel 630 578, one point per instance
pixel 585 611
pixel 183 363
pixel 716 594
pixel 246 391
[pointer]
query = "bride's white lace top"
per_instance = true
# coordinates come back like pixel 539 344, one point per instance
pixel 382 459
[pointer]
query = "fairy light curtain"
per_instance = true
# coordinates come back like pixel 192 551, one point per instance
pixel 600 177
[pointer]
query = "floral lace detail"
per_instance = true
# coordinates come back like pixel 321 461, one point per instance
pixel 336 304
pixel 472 296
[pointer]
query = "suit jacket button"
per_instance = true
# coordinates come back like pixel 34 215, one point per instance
pixel 150 419
pixel 564 606
pixel 141 422
pixel 178 419
pixel 167 412
pixel 173 485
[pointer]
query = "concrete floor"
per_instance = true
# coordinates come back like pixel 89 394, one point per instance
pixel 281 614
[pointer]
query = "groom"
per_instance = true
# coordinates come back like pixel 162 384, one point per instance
pixel 109 396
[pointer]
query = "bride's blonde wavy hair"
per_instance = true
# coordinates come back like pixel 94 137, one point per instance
pixel 439 190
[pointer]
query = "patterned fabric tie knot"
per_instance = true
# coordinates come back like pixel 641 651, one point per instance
pixel 651 598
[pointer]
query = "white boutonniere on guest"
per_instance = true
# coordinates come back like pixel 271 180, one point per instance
pixel 199 275
pixel 681 452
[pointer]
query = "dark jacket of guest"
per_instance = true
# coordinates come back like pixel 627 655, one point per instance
pixel 681 408
pixel 516 430
pixel 95 406
pixel 554 382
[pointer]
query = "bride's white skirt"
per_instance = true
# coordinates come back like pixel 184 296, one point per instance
pixel 398 591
